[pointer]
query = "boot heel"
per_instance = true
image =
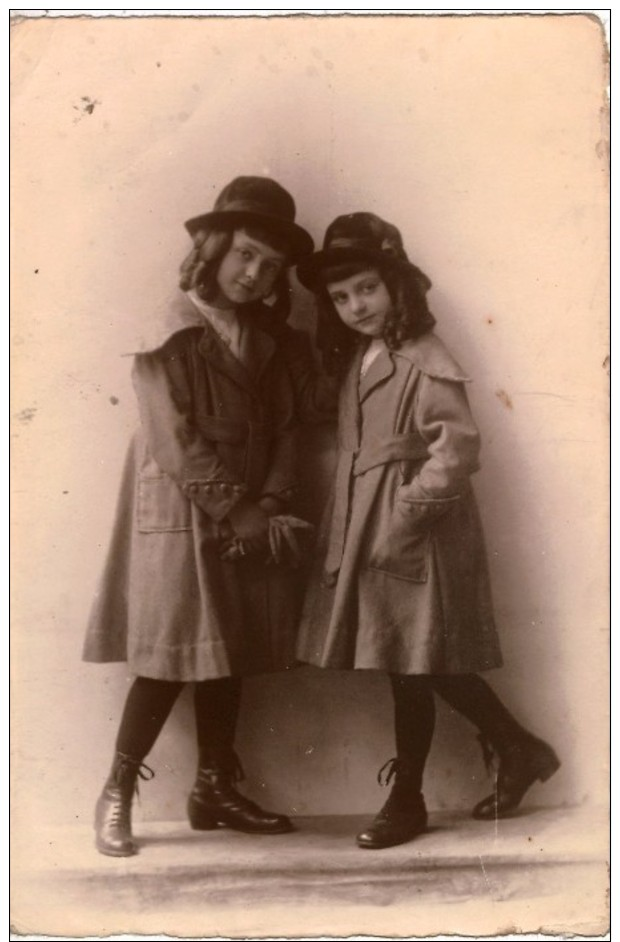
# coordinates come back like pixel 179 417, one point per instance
pixel 200 819
pixel 549 768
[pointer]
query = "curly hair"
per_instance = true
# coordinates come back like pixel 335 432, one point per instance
pixel 199 269
pixel 408 318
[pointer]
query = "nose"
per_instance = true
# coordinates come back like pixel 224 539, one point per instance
pixel 252 270
pixel 357 304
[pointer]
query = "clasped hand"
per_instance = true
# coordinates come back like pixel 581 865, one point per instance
pixel 253 531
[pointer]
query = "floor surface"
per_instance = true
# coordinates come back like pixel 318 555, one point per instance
pixel 542 870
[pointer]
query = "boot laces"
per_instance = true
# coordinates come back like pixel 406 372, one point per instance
pixel 119 815
pixel 393 766
pixel 488 754
pixel 128 766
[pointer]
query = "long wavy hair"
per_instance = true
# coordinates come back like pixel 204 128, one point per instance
pixel 408 318
pixel 199 269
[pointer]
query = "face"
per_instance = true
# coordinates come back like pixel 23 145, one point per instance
pixel 362 302
pixel 248 271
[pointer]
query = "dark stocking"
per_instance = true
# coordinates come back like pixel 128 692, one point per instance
pixel 216 704
pixel 472 696
pixel 147 708
pixel 414 723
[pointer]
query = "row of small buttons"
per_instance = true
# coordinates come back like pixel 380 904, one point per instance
pixel 222 487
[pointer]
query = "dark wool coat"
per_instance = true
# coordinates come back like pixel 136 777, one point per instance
pixel 212 429
pixel 401 583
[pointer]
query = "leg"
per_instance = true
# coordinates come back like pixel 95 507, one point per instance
pixel 216 706
pixel 147 707
pixel 523 757
pixel 214 801
pixel 403 816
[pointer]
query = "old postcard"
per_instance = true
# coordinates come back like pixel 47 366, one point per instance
pixel 310 361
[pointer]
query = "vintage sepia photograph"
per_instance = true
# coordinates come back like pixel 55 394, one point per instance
pixel 310 460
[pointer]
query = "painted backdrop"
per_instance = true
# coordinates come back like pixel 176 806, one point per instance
pixel 484 139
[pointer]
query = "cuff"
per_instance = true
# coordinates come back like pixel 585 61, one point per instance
pixel 216 498
pixel 425 508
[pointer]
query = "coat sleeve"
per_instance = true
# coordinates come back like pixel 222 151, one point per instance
pixel 164 402
pixel 444 420
pixel 316 394
pixel 281 478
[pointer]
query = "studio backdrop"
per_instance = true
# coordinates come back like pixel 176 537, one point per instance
pixel 484 139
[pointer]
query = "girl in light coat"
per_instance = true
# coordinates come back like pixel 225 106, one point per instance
pixel 401 583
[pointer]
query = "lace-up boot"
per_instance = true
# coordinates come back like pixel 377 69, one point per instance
pixel 215 802
pixel 523 760
pixel 403 816
pixel 113 835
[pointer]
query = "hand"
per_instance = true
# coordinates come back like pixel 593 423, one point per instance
pixel 282 539
pixel 250 525
pixel 271 505
pixel 232 549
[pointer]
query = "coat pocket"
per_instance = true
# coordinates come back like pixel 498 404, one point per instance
pixel 161 506
pixel 402 550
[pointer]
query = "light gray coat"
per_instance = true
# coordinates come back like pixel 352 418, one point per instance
pixel 401 581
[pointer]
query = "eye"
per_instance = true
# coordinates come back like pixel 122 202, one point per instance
pixel 338 299
pixel 370 287
pixel 246 255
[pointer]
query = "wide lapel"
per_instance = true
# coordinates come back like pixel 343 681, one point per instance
pixel 349 424
pixel 257 348
pixel 220 358
pixel 380 369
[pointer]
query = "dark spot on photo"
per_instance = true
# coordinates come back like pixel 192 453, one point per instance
pixel 26 415
pixel 504 398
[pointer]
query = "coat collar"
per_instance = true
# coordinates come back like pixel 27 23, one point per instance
pixel 427 353
pixel 430 355
pixel 177 313
pixel 174 314
pixel 257 348
pixel 380 369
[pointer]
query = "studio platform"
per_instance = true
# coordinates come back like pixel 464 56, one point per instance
pixel 543 870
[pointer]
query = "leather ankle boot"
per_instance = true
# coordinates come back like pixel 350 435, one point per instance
pixel 522 762
pixel 215 802
pixel 402 817
pixel 113 835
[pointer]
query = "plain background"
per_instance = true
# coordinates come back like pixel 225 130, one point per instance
pixel 485 140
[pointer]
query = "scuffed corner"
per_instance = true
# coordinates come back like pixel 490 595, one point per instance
pixel 603 144
pixel 598 21
pixel 16 19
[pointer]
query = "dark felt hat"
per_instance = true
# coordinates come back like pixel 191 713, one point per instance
pixel 357 237
pixel 260 200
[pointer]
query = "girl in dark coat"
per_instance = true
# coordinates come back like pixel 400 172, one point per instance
pixel 402 584
pixel 196 586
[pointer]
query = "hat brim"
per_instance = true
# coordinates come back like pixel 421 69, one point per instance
pixel 309 269
pixel 300 241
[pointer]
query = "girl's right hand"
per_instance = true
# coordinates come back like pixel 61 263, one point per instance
pixel 250 524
